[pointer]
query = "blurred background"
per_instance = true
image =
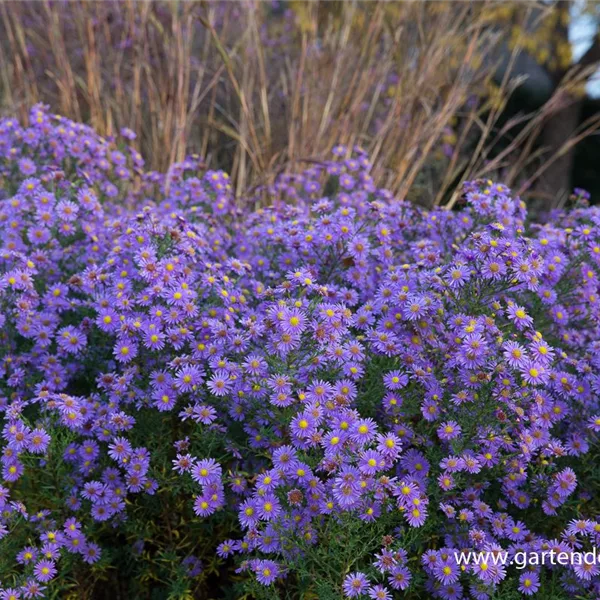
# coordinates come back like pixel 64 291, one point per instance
pixel 437 92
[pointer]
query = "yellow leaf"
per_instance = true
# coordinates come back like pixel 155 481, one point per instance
pixel 304 15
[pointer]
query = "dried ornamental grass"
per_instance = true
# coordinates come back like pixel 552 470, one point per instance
pixel 258 90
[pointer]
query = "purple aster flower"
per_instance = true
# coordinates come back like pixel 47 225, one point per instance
pixel 400 578
pixel 395 380
pixel 220 383
pixel 415 308
pixel 27 166
pixel 193 566
pixel 416 516
pixel 518 316
pixel 302 425
pixel 125 351
pixel 371 462
pixel 266 571
pixel 529 583
pixel 120 449
pixel 71 340
pixel 128 133
pixel 457 276
pixel 293 321
pixel 268 507
pixel 44 571
pixel 202 413
pixel 364 430
pixel 534 373
pixel 188 378
pixel 164 399
pixel 33 589
pixel 379 592
pixel 515 354
pixel 355 584
pixel 449 430
pixel 67 210
pixel 38 441
pixel 206 471
pixel 226 548
pixel 27 555
pixel 91 553
pixel 248 513
pixel 183 463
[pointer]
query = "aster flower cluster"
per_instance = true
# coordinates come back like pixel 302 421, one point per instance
pixel 338 392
